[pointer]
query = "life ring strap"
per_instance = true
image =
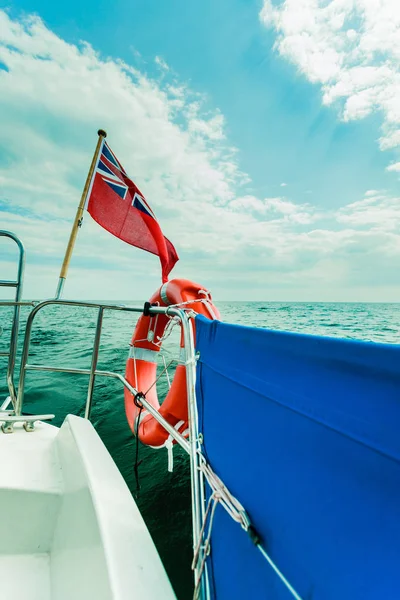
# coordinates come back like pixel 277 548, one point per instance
pixel 143 354
pixel 163 293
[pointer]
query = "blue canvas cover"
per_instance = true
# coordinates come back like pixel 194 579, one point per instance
pixel 305 432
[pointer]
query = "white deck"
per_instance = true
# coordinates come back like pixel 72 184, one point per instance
pixel 70 529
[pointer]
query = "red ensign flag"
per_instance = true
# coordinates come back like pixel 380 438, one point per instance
pixel 118 205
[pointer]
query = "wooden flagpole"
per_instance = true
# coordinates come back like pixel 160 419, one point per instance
pixel 78 217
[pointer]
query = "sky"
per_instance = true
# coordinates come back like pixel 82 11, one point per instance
pixel 264 134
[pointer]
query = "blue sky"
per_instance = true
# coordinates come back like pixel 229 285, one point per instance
pixel 293 140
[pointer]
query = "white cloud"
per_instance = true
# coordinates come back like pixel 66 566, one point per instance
pixel 53 98
pixel 393 167
pixel 351 47
pixel 161 63
pixel 378 213
pixel 279 210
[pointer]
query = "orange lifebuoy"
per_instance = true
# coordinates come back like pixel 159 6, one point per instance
pixel 141 366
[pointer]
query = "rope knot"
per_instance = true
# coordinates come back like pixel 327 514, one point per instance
pixel 136 399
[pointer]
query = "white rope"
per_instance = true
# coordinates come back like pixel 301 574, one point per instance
pixel 166 371
pixel 170 451
pixel 175 320
pixel 169 445
pixel 220 494
pixel 196 300
pixel 167 331
pixel 208 303
pixel 212 504
pixel 152 328
pixel 229 502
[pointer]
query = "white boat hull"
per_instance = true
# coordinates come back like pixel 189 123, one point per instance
pixel 70 527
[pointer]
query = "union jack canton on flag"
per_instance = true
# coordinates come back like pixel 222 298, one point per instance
pixel 118 205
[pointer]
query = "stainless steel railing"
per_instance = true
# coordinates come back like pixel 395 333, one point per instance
pixel 17 284
pixel 93 372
